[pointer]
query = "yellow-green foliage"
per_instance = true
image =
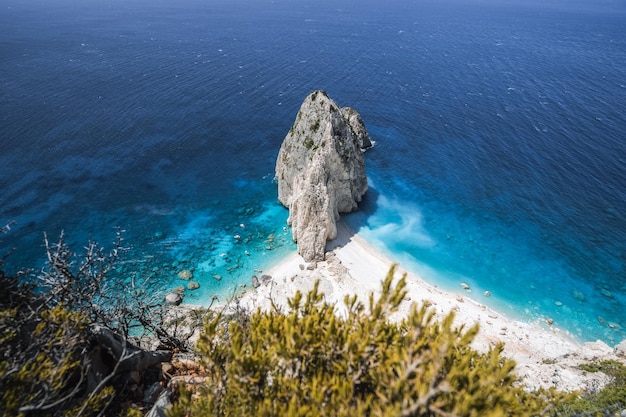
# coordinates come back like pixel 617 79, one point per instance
pixel 310 362
pixel 40 374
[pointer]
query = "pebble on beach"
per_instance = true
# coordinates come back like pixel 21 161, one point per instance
pixel 255 281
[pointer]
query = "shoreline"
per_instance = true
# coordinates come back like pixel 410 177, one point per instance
pixel 545 355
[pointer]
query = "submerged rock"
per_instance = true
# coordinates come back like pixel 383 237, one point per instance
pixel 321 171
pixel 578 295
pixel 185 274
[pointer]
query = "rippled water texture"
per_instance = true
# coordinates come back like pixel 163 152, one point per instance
pixel 499 159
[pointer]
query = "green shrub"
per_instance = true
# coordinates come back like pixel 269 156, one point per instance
pixel 608 401
pixel 42 372
pixel 308 143
pixel 66 348
pixel 310 362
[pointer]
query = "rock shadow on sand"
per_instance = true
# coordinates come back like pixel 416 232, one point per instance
pixel 351 223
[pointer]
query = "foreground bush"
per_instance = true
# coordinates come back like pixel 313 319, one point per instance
pixel 310 362
pixel 67 347
pixel 42 368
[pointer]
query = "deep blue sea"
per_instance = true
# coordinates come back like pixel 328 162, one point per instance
pixel 500 130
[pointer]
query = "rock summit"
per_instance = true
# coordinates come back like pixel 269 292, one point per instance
pixel 320 171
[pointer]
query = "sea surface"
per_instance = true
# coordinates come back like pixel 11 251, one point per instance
pixel 500 130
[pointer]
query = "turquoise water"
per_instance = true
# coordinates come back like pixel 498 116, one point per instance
pixel 499 157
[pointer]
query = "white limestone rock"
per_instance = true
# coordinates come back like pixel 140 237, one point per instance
pixel 358 127
pixel 174 298
pixel 320 171
pixel 597 349
pixel 620 349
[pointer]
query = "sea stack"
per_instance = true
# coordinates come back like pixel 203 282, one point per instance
pixel 321 171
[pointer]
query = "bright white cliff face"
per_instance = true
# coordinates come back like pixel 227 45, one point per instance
pixel 321 171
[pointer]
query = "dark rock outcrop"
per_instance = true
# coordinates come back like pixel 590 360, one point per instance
pixel 321 171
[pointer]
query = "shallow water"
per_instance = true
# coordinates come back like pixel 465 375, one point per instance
pixel 499 157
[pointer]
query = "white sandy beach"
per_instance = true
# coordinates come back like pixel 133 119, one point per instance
pixel 545 355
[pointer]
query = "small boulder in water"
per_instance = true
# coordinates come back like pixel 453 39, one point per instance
pixel 193 285
pixel 185 274
pixel 174 298
pixel 578 295
pixel 606 293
